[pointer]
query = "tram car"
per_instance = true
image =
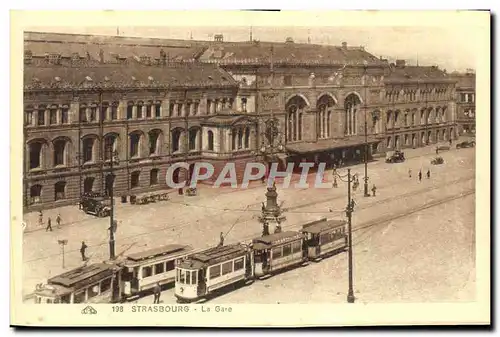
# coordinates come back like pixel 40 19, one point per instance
pixel 275 252
pixel 325 237
pixel 96 283
pixel 142 271
pixel 202 274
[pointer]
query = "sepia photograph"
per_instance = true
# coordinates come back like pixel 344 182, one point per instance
pixel 188 170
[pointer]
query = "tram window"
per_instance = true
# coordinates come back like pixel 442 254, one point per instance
pixel 258 256
pixel 49 300
pixel 227 268
pixel 65 299
pixel 277 252
pixel 193 277
pixel 238 264
pixel 170 265
pixel 159 268
pixel 183 276
pixel 214 271
pixel 93 290
pixel 79 297
pixel 38 300
pixel 105 285
pixel 147 271
pixel 287 249
pixel 56 300
pixel 188 277
pixel 296 246
pixel 177 276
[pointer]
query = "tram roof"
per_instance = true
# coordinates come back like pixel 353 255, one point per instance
pixel 159 251
pixel 213 255
pixel 83 275
pixel 322 225
pixel 274 238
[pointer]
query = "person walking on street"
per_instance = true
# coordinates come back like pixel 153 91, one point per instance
pixel 157 293
pixel 409 173
pixel 40 218
pixel 49 225
pixel 428 174
pixel 82 251
pixel 450 141
pixel 420 175
pixel 58 220
pixel 374 190
pixel 437 150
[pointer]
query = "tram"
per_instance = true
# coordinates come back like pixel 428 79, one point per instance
pixel 204 273
pixel 96 283
pixel 142 271
pixel 325 237
pixel 278 251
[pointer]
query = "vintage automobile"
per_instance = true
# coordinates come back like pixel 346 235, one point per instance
pixel 395 157
pixel 95 204
pixel 437 161
pixel 466 143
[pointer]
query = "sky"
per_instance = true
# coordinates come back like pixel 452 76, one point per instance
pixel 449 47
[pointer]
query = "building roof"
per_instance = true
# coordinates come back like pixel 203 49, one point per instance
pixel 212 256
pixel 417 74
pixel 83 275
pixel 287 53
pixel 465 81
pixel 159 252
pixel 276 237
pixel 108 76
pixel 321 225
pixel 329 144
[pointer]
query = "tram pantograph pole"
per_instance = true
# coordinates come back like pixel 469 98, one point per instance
pixel 350 294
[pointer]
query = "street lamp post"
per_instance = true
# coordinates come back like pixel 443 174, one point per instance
pixel 366 194
pixel 112 222
pixel 349 211
pixel 79 158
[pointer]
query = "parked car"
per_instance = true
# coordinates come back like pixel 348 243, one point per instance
pixel 395 157
pixel 95 204
pixel 466 143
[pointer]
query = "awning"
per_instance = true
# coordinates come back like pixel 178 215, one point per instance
pixel 330 144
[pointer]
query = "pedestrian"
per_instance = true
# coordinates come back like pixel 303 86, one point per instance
pixel 374 190
pixel 58 220
pixel 49 225
pixel 82 251
pixel 437 150
pixel 40 218
pixel 181 191
pixel 221 243
pixel 409 173
pixel 420 175
pixel 428 174
pixel 353 203
pixel 450 141
pixel 157 293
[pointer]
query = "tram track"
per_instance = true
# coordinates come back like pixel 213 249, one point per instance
pixel 184 225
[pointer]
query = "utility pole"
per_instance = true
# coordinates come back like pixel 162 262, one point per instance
pixel 112 222
pixel 366 194
pixel 62 243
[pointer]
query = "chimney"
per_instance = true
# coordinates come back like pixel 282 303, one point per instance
pixel 344 45
pixel 400 63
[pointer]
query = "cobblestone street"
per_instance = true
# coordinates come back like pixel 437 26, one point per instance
pixel 217 210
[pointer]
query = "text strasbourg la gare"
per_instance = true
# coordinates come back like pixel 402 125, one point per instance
pixel 253 172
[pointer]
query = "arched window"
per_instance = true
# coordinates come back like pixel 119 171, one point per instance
pixel 210 140
pixel 247 137
pixel 240 139
pixel 130 110
pixel 88 184
pixel 351 106
pixel 135 145
pixel 193 138
pixel 110 146
pixel 36 194
pixel 53 115
pixel 64 114
pixel 176 140
pixel 294 108
pixel 396 118
pixel 413 118
pixel 422 116
pixel 234 144
pixel 389 117
pixel 36 155
pixel 114 110
pixel 60 190
pixel 60 152
pixel 153 177
pixel 154 142
pixel 41 115
pixel 140 106
pixel 88 149
pixel 134 179
pixel 389 141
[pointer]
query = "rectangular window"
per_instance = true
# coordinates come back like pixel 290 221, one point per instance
pixel 214 271
pixel 196 108
pixel 105 285
pixel 64 115
pixel 296 247
pixel 287 249
pixel 147 271
pixel 93 114
pixel 238 264
pixel 171 109
pixel 183 276
pixel 41 117
pixel 158 110
pixel 227 268
pixel 53 116
pixel 209 106
pixel 287 80
pixel 188 277
pixel 179 109
pixel 159 268
pixel 79 297
pixel 277 253
pixel 83 114
pixel 188 109
pixel 170 265
pixel 193 277
pixel 29 117
pixel 114 112
pixel 148 111
pixel 130 111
